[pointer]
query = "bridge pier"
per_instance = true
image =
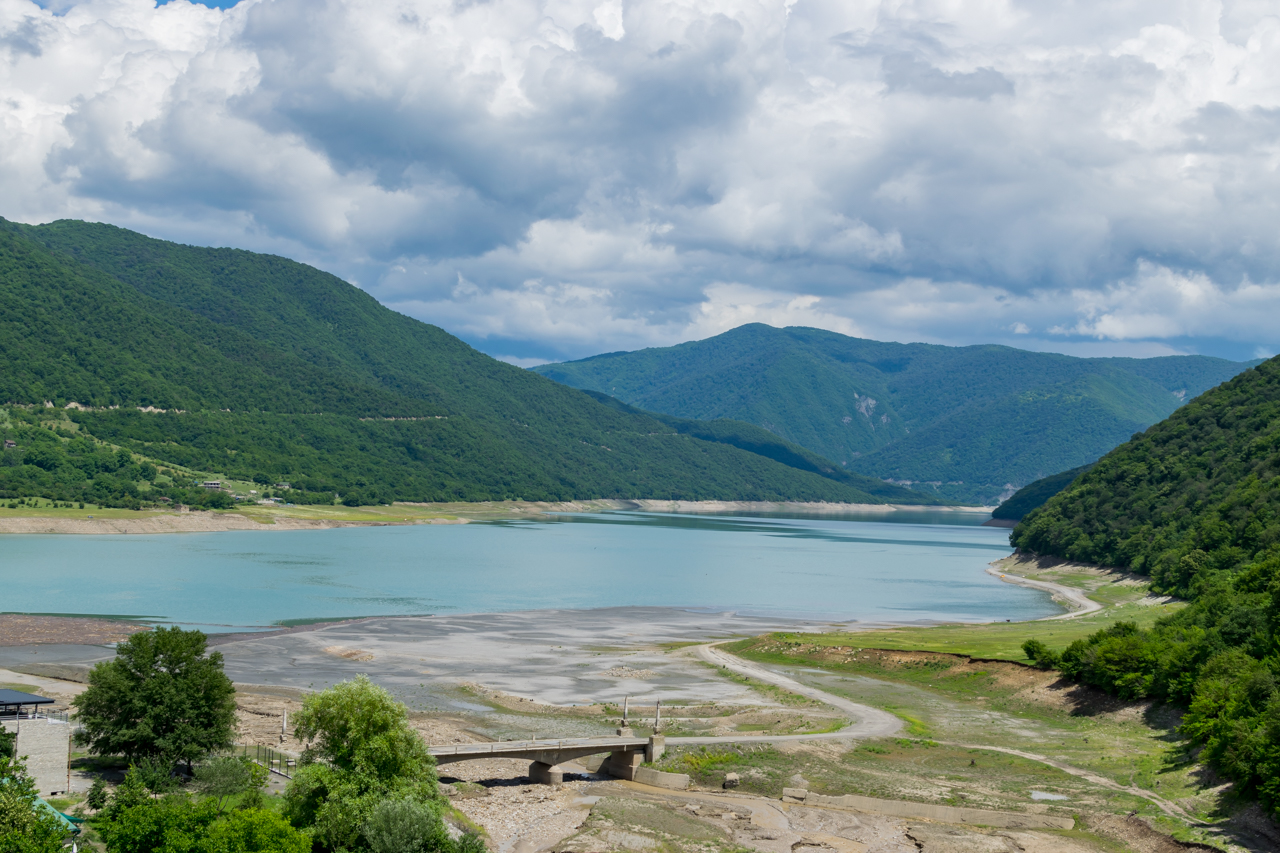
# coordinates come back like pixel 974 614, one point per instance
pixel 545 774
pixel 623 764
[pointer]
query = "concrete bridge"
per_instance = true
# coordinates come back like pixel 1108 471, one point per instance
pixel 625 754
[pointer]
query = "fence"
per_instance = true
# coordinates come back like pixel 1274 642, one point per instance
pixel 63 717
pixel 280 763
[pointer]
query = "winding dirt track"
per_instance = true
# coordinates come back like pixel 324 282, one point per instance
pixel 872 722
pixel 868 722
pixel 1081 604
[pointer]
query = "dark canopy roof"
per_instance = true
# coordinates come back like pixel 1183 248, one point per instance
pixel 15 697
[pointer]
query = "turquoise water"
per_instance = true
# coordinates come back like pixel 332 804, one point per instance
pixel 874 570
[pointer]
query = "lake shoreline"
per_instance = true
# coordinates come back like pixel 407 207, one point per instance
pixel 150 522
pixel 70 628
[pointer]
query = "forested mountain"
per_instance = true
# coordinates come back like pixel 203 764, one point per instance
pixel 969 423
pixel 1195 503
pixel 270 368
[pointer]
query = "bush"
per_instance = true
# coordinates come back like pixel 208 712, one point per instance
pixel 1040 654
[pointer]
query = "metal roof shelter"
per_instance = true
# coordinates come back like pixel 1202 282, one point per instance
pixel 13 701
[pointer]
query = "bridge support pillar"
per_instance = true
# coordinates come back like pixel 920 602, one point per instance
pixel 545 774
pixel 656 748
pixel 623 764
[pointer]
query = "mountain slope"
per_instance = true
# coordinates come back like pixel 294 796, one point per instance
pixel 1203 480
pixel 1195 503
pixel 273 369
pixel 1035 495
pixel 972 422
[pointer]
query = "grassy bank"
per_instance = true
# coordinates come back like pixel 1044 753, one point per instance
pixel 965 694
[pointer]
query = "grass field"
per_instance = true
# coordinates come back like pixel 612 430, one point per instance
pixel 998 641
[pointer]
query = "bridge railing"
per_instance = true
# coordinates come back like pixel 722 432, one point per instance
pixel 604 744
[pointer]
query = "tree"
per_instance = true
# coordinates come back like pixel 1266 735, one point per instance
pixel 173 824
pixel 25 826
pixel 97 797
pixel 364 753
pixel 227 776
pixel 160 697
pixel 359 726
pixel 405 826
pixel 254 831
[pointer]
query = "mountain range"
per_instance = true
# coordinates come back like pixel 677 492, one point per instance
pixel 255 366
pixel 971 424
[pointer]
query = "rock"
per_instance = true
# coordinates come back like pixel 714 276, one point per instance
pixel 798 781
pixel 731 780
pixel 794 795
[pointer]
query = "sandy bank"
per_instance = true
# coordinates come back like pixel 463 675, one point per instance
pixel 327 518
pixel 802 507
pixel 1013 569
pixel 195 522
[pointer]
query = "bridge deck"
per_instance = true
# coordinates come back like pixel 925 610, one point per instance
pixel 518 748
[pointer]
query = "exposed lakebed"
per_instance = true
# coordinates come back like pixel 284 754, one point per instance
pixel 892 568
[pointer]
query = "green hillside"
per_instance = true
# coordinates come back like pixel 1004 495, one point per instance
pixel 1035 495
pixel 1203 480
pixel 273 370
pixel 966 423
pixel 1195 503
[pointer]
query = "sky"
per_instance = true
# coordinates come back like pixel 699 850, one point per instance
pixel 550 179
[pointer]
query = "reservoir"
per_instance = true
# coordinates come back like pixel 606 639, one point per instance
pixel 894 567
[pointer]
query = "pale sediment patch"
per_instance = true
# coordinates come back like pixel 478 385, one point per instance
pixel 799 507
pixel 152 523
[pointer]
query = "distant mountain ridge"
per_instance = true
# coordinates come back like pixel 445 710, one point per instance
pixel 268 368
pixel 969 423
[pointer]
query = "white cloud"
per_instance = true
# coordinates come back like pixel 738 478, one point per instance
pixel 611 174
pixel 1159 302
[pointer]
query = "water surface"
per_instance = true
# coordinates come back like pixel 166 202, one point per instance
pixel 897 567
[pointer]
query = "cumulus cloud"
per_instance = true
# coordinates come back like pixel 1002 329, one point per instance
pixel 552 178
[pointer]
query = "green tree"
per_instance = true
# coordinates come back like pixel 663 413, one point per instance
pixel 406 826
pixel 97 797
pixel 160 697
pixel 228 776
pixel 363 753
pixel 254 831
pixel 171 825
pixel 25 826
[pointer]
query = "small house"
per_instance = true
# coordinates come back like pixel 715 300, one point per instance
pixel 213 485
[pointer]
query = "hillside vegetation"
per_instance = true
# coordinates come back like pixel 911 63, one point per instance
pixel 1035 495
pixel 259 368
pixel 969 423
pixel 1195 503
